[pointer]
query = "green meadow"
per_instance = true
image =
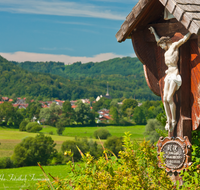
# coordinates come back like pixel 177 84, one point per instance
pixel 27 177
pixel 136 131
pixel 10 137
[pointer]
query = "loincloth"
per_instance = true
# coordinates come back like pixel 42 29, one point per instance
pixel 173 77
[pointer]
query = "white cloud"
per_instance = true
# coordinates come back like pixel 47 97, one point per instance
pixel 26 56
pixel 60 8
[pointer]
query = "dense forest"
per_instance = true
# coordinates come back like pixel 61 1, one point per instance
pixel 45 80
pixel 125 67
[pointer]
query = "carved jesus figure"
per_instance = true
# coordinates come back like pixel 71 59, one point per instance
pixel 172 79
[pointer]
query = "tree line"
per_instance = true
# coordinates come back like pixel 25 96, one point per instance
pixel 46 80
pixel 122 112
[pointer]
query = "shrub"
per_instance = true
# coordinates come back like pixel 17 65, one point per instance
pixel 136 168
pixel 33 127
pixel 22 126
pixel 71 145
pixel 34 149
pixel 95 149
pixel 51 132
pixel 151 130
pixel 83 144
pixel 114 144
pixel 6 162
pixel 102 134
pixel 36 129
pixel 58 159
pixel 191 176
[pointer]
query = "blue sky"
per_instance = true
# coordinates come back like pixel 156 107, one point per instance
pixel 62 30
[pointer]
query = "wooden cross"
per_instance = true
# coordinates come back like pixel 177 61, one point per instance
pixel 153 13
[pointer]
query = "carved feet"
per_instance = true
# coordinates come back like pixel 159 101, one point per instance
pixel 170 125
pixel 167 126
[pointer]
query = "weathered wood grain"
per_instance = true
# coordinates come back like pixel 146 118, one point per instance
pixel 184 126
pixel 194 27
pixel 178 13
pixel 199 41
pixel 145 52
pixel 134 18
pixel 137 9
pixel 190 8
pixel 185 2
pixel 193 15
pixel 195 81
pixel 164 2
pixel 171 6
pixel 186 20
pixel 185 11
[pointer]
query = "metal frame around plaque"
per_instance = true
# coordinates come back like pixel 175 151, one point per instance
pixel 175 150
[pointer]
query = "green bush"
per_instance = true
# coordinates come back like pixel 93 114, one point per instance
pixel 71 145
pixel 114 144
pixel 22 126
pixel 34 149
pixel 36 129
pixel 58 159
pixel 83 144
pixel 33 127
pixel 136 168
pixel 51 132
pixel 151 130
pixel 6 162
pixel 191 176
pixel 102 134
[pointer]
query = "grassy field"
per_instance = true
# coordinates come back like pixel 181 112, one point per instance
pixel 27 177
pixel 136 131
pixel 10 137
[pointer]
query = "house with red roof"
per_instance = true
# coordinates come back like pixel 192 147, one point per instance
pixel 5 99
pixel 104 116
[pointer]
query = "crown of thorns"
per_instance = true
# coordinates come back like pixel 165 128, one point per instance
pixel 164 39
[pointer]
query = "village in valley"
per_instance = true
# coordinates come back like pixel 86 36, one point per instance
pixel 22 103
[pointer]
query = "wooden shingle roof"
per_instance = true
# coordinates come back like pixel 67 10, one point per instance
pixel 186 12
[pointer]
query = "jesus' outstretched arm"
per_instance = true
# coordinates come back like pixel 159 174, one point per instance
pixel 183 40
pixel 154 33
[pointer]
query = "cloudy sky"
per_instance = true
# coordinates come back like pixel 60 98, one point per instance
pixel 62 30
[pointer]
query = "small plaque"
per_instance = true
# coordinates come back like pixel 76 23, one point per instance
pixel 176 153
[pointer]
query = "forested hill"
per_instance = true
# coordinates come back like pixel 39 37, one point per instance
pixel 56 80
pixel 123 66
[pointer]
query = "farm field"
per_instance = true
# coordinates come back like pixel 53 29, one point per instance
pixel 10 137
